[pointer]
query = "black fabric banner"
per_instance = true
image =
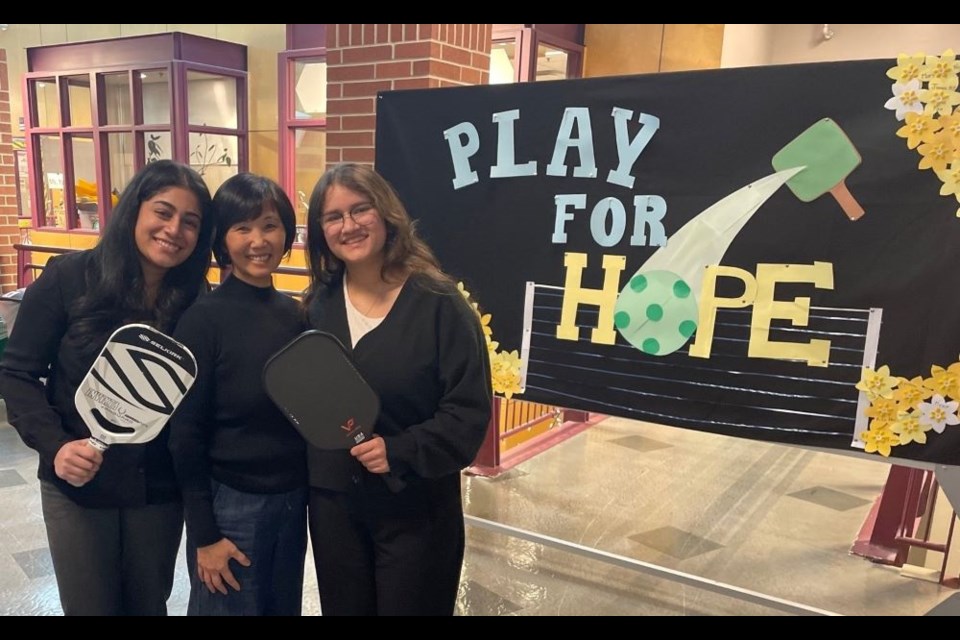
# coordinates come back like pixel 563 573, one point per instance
pixel 732 247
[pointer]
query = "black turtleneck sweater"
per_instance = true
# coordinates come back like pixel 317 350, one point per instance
pixel 227 428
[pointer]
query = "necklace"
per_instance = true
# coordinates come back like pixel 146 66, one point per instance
pixel 378 298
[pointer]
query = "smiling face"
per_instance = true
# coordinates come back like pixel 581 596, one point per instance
pixel 168 225
pixel 256 247
pixel 352 228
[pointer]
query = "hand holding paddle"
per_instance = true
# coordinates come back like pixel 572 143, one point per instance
pixel 314 383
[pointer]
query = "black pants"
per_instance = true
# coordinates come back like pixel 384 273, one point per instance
pixel 112 562
pixel 391 561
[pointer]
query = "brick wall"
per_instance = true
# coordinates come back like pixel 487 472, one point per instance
pixel 363 59
pixel 9 234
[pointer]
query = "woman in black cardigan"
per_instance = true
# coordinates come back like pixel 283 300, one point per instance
pixel 114 520
pixel 413 337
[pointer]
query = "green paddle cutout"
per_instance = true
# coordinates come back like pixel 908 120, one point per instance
pixel 829 157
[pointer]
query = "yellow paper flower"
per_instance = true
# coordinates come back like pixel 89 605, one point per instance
pixel 910 429
pixel 505 371
pixel 910 393
pixel 485 325
pixel 945 382
pixel 941 71
pixel 920 127
pixel 883 411
pixel 879 439
pixel 937 153
pixel 951 179
pixel 951 124
pixel 940 101
pixel 504 367
pixel 908 68
pixel 877 384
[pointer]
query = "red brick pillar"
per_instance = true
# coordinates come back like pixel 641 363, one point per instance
pixel 363 59
pixel 9 233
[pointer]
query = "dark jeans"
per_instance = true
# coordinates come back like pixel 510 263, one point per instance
pixel 112 562
pixel 271 529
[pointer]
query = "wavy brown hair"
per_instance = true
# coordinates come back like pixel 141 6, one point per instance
pixel 405 253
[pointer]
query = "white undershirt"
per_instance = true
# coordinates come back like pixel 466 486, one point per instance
pixel 360 325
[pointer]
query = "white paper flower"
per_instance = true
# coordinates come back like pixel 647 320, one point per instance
pixel 938 413
pixel 906 98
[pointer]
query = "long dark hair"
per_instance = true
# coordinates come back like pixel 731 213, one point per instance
pixel 242 198
pixel 405 253
pixel 115 285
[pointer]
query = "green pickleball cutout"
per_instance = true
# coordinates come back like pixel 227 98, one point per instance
pixel 656 313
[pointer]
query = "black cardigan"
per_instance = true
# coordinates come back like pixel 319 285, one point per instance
pixel 428 363
pixel 45 344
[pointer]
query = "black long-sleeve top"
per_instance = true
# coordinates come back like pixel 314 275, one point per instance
pixel 227 428
pixel 45 343
pixel 428 363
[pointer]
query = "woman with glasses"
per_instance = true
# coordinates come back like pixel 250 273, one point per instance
pixel 379 549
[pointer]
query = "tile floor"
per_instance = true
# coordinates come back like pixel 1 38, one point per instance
pixel 662 521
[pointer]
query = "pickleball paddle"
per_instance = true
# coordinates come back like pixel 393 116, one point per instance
pixel 133 387
pixel 317 387
pixel 315 384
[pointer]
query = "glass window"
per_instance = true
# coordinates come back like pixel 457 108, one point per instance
pixel 214 157
pixel 120 151
pixel 310 89
pixel 47 102
pixel 116 98
pixel 87 214
pixel 157 145
pixel 503 62
pixel 551 63
pixel 78 101
pixel 522 53
pixel 212 100
pixel 155 88
pixel 310 157
pixel 51 173
pixel 303 138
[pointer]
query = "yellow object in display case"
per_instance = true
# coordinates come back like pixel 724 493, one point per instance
pixel 24 225
pixel 88 191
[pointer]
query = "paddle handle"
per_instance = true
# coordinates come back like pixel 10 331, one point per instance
pixel 99 445
pixel 846 200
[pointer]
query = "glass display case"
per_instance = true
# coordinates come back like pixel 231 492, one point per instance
pixel 536 52
pixel 96 112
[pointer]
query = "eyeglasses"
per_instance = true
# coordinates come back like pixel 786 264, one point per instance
pixel 362 214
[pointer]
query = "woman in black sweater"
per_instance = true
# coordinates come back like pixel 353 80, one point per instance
pixel 114 520
pixel 241 465
pixel 413 337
